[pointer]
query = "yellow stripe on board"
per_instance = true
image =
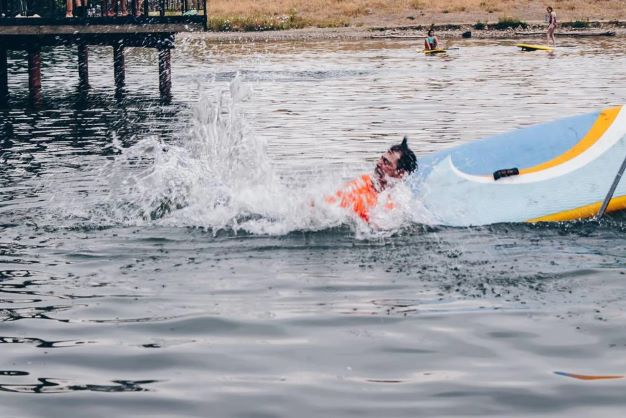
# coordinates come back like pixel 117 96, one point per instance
pixel 602 123
pixel 583 212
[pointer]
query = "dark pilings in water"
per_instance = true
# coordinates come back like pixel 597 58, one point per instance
pixel 4 76
pixel 165 73
pixel 142 29
pixel 34 74
pixel 119 69
pixel 83 66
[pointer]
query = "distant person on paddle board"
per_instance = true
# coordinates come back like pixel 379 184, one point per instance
pixel 431 42
pixel 551 19
pixel 361 195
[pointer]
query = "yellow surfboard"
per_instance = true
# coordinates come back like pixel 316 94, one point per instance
pixel 528 47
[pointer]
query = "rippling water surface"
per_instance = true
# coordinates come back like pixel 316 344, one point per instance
pixel 172 258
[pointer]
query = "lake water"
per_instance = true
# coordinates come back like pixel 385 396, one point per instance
pixel 174 260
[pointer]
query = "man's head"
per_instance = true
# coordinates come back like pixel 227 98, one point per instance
pixel 549 9
pixel 431 32
pixel 396 163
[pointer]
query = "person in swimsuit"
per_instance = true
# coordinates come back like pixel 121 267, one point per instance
pixel 551 19
pixel 431 42
pixel 361 195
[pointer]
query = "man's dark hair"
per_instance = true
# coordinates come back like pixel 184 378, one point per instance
pixel 407 160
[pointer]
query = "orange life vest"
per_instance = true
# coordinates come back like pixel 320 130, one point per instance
pixel 359 195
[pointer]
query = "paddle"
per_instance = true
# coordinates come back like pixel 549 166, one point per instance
pixel 609 195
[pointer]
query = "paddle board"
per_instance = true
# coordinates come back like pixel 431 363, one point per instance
pixel 558 171
pixel 528 47
pixel 434 51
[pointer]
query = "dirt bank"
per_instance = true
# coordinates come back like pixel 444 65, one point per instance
pixel 370 13
pixel 446 31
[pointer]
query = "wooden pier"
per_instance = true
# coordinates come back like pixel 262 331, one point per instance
pixel 29 25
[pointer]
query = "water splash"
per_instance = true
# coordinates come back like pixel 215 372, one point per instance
pixel 219 176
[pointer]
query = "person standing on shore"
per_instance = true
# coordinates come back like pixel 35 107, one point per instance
pixel 551 19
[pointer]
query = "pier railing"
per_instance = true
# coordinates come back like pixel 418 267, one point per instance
pixel 73 12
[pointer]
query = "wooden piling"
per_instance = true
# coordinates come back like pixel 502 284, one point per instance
pixel 34 75
pixel 83 66
pixel 165 73
pixel 119 68
pixel 139 31
pixel 4 76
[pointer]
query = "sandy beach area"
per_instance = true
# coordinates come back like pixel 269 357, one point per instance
pixel 358 19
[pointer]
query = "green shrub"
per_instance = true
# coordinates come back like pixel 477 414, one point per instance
pixel 579 24
pixel 479 25
pixel 256 23
pixel 259 23
pixel 510 22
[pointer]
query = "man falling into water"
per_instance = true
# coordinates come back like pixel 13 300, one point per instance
pixel 361 194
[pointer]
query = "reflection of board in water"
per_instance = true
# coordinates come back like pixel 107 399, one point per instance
pixel 529 47
pixel 557 171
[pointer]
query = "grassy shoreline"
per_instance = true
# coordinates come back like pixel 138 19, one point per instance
pixel 267 15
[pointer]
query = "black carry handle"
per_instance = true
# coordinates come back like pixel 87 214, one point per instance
pixel 505 172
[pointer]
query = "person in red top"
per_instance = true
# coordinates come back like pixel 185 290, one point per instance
pixel 361 195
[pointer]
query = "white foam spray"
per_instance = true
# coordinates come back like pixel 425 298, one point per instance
pixel 220 177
